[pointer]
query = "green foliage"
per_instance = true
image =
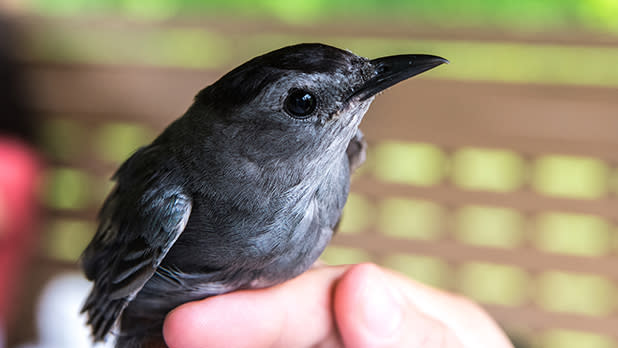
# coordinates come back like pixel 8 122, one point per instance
pixel 413 163
pixel 573 234
pixel 412 219
pixel 115 142
pixel 66 188
pixel 336 255
pixel 575 339
pixel 490 226
pixel 488 169
pixel 428 270
pixel 358 214
pixel 576 293
pixel 571 176
pixel 492 283
pixel 522 15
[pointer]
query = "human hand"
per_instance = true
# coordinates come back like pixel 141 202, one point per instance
pixel 343 306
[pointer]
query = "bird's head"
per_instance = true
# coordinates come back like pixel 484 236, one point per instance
pixel 306 98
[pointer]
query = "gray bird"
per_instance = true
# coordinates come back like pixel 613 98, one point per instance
pixel 243 191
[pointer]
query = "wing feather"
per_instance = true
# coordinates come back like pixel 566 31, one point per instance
pixel 139 223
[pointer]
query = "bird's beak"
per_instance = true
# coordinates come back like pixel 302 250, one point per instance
pixel 394 69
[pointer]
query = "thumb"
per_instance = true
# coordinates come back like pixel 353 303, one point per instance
pixel 376 308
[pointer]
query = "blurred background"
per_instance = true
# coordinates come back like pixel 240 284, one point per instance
pixel 495 176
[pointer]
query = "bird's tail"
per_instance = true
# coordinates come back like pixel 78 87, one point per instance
pixel 102 312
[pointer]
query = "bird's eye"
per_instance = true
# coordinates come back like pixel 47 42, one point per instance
pixel 300 103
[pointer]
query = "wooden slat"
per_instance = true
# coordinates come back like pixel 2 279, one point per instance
pixel 530 259
pixel 531 119
pixel 524 201
pixel 528 119
pixel 155 96
pixel 537 319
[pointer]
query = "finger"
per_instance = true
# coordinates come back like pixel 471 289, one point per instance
pixel 468 321
pixel 375 308
pixel 371 311
pixel 297 313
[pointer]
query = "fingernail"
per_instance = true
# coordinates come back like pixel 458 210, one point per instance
pixel 382 309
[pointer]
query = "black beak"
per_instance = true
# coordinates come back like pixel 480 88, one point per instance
pixel 394 69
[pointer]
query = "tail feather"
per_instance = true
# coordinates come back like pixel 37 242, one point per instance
pixel 102 312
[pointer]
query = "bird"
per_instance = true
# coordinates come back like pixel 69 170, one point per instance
pixel 243 191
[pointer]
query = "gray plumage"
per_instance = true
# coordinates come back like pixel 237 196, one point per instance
pixel 243 191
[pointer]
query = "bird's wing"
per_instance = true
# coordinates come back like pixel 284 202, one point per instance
pixel 139 222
